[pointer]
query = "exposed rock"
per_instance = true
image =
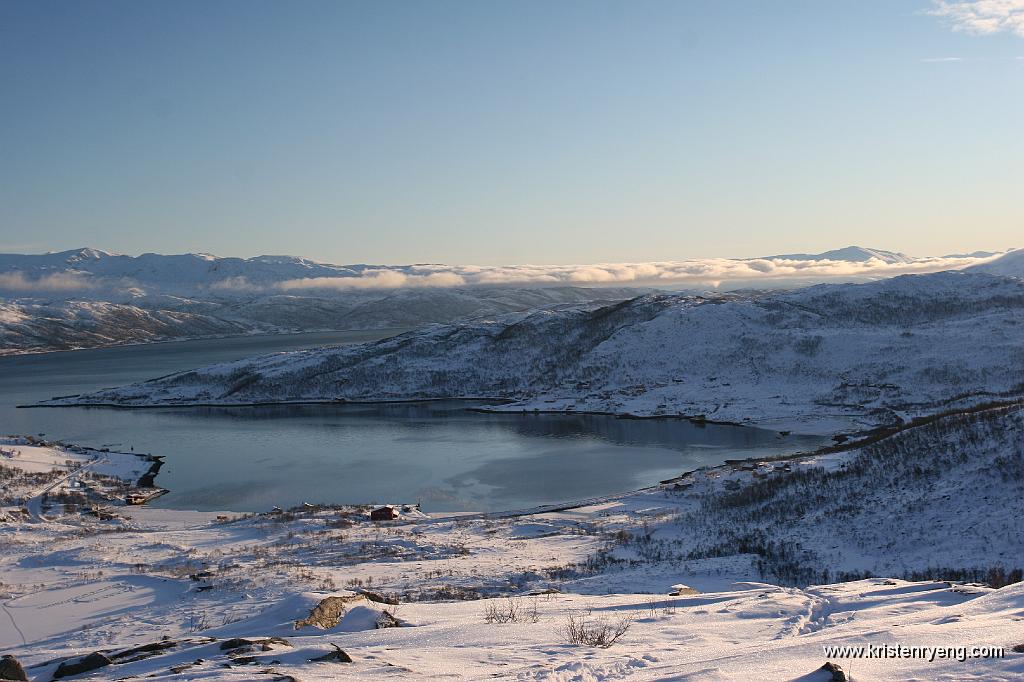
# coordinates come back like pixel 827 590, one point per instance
pixel 236 643
pixel 336 656
pixel 10 669
pixel 388 620
pixel 268 644
pixel 144 651
pixel 85 664
pixel 328 612
pixel 178 669
pixel 837 672
pixel 379 598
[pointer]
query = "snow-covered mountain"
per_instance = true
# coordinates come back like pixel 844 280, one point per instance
pixel 853 254
pixel 1010 264
pixel 876 353
pixel 88 297
pixel 27 326
pixel 34 325
pixel 100 272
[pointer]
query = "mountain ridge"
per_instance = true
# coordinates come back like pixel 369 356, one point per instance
pixel 861 354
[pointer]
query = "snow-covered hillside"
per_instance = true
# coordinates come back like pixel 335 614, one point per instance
pixel 876 353
pixel 27 326
pixel 728 573
pixel 1008 265
pixel 33 325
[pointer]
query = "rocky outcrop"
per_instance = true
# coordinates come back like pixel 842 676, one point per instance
pixel 336 656
pixel 328 612
pixel 93 661
pixel 10 669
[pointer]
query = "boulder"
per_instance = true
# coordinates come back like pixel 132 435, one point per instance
pixel 837 672
pixel 85 664
pixel 236 643
pixel 10 669
pixel 328 612
pixel 144 651
pixel 387 620
pixel 336 656
pixel 268 644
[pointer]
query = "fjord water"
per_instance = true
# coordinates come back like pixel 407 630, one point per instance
pixel 450 459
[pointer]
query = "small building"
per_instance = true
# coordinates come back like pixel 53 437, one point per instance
pixel 385 513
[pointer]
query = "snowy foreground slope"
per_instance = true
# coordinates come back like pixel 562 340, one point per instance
pixel 188 595
pixel 819 357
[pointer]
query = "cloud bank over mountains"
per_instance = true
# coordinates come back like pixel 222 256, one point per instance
pixel 95 273
pixel 50 283
pixel 712 272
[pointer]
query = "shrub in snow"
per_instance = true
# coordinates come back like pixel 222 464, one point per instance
pixel 581 629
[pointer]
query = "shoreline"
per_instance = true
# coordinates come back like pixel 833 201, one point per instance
pixel 849 442
pixel 267 403
pixel 146 480
pixel 183 339
pixel 870 438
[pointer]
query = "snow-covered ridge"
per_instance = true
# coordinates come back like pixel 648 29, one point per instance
pixel 35 325
pixel 1010 264
pixel 876 353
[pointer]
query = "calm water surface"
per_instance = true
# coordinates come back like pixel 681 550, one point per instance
pixel 255 457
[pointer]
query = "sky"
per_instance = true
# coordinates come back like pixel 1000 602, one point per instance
pixel 492 133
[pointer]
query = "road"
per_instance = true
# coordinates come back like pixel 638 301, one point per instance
pixel 34 504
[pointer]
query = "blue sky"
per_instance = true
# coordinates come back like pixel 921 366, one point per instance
pixel 527 132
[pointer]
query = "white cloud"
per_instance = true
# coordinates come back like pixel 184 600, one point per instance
pixel 707 272
pixel 939 60
pixel 982 17
pixel 376 279
pixel 239 283
pixel 61 281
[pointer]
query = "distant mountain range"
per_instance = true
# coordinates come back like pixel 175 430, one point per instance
pixel 92 274
pixel 87 297
pixel 852 254
pixel 152 273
